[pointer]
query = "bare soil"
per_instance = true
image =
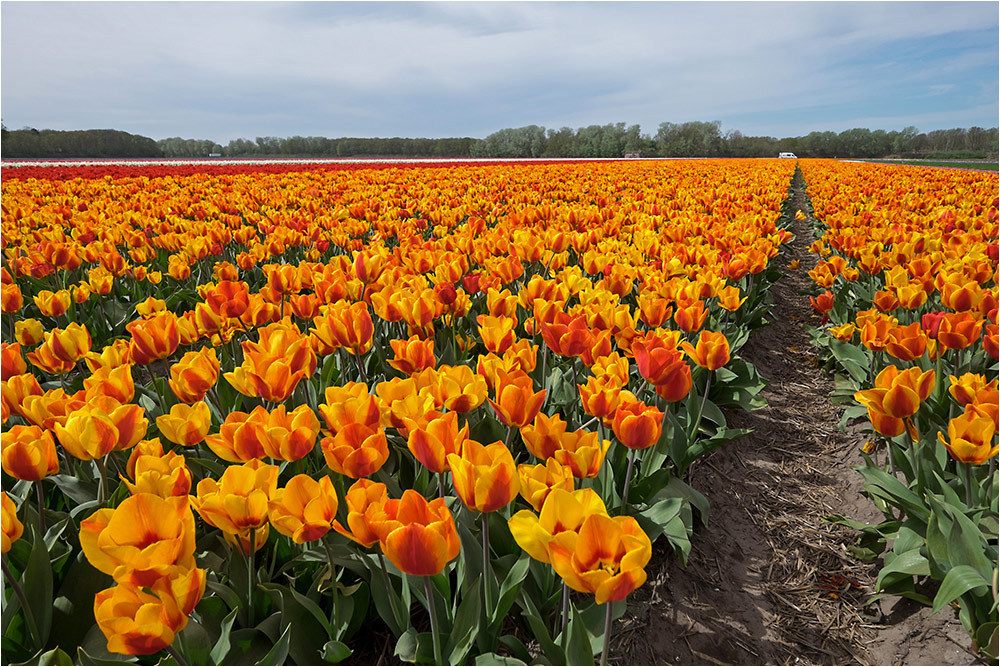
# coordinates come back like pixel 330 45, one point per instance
pixel 771 581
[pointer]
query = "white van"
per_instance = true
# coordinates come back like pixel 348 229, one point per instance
pixel 790 156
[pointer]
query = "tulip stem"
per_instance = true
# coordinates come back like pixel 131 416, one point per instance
pixel 102 467
pixel 564 612
pixel 628 480
pixel 510 434
pixel 968 484
pixel 41 505
pixel 607 632
pixel 915 459
pixel 487 571
pixel 440 477
pixel 701 409
pixel 361 366
pixel 333 582
pixel 429 593
pixel 250 575
pixel 175 655
pixel 28 616
pixel 391 592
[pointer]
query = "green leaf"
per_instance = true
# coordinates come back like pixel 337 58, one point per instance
pixel 37 581
pixel 494 659
pixel 85 658
pixel 855 360
pixel 221 648
pixel 959 580
pixel 277 655
pixel 655 519
pixel 335 651
pixel 579 649
pixel 304 618
pixel 909 563
pixel 463 633
pixel 56 656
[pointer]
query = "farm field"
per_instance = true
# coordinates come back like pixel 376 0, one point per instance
pixel 631 412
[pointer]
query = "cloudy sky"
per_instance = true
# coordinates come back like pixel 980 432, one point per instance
pixel 443 69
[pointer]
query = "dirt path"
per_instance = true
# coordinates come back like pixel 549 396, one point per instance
pixel 757 586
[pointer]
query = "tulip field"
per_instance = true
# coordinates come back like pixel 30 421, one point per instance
pixel 280 413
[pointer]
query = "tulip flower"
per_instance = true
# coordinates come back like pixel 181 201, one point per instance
pixel 186 425
pixel 345 325
pixel 273 367
pixel 229 298
pixel 958 331
pixel 356 450
pixel 11 361
pixel 563 510
pixel 692 317
pixel 194 375
pixel 729 296
pixel 44 357
pixel 155 338
pixel 606 557
pixel 88 434
pixel 141 540
pixel 433 442
pixel 112 356
pixel 412 355
pixel 417 536
pixel 25 397
pixel 971 387
pixel 457 388
pixel 11 298
pixel 160 474
pixel 970 438
pixel 304 509
pixel 961 297
pixel 12 526
pixel 364 500
pixel 516 401
pixel 485 477
pixel 497 332
pixel 52 304
pixel 538 481
pixel 115 382
pixel 29 453
pixel 350 404
pixel 28 332
pixel 237 503
pixel 896 395
pixel 636 425
pixel 711 352
pixel 907 343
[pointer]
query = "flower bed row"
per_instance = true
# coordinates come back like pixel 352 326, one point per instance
pixel 247 415
pixel 907 288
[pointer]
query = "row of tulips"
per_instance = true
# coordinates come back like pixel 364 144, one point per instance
pixel 503 392
pixel 908 265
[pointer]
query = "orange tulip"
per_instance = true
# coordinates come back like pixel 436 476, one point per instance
pixel 29 453
pixel 11 361
pixel 161 474
pixel 971 387
pixel 141 540
pixel 345 325
pixel 711 352
pixel 273 367
pixel 538 481
pixel 412 355
pixel 691 317
pixel 885 301
pixel 605 558
pixel 654 310
pixel 155 338
pixel 95 429
pixel 11 298
pixel 12 526
pixel 729 297
pixel 52 304
pixel 562 511
pixel 356 450
pixel 637 425
pixel 970 438
pixel 823 304
pixel 44 357
pixel 906 343
pixel 194 375
pixel 497 332
pixel 229 298
pixel 46 409
pixel 28 332
pixel 134 621
pixel 455 388
pixel 418 536
pixel 350 404
pixel 115 382
pixel 186 425
pixel 237 503
pixel 959 330
pixel 304 509
pixel 961 297
pixel 485 477
pixel 433 442
pixel 600 397
pixel 896 395
pixel 517 403
pixel 365 499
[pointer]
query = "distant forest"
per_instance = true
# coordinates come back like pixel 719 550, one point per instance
pixel 691 139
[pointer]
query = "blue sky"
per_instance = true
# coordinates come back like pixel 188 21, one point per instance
pixel 427 69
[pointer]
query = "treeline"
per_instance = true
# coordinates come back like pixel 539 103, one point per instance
pixel 614 140
pixel 704 139
pixel 31 143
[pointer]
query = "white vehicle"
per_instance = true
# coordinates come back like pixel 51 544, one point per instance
pixel 790 156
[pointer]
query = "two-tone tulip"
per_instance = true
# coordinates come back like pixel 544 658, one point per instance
pixel 516 401
pixel 364 500
pixel 417 536
pixel 540 480
pixel 161 474
pixel 637 425
pixel 194 375
pixel 563 510
pixel 11 527
pixel 304 509
pixel 153 339
pixel 485 477
pixel 29 453
pixel 970 438
pixel 236 503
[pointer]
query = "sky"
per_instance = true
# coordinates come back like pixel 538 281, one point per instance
pixel 227 70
